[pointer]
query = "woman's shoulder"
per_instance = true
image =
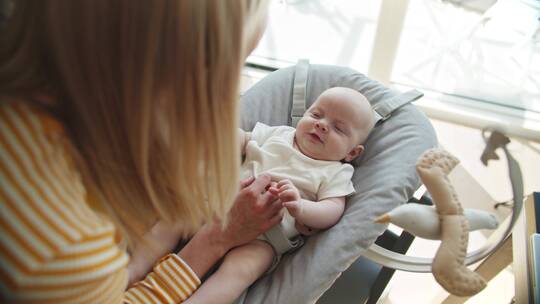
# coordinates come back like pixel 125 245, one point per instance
pixel 45 212
pixel 34 114
pixel 35 159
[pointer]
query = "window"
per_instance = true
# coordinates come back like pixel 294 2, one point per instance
pixel 481 54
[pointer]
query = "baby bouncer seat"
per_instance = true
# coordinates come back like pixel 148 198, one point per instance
pixel 384 178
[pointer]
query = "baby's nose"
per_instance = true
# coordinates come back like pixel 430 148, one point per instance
pixel 321 125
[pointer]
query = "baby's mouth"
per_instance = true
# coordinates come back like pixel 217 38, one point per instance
pixel 316 137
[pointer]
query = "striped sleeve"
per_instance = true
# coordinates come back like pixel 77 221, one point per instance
pixel 172 281
pixel 53 247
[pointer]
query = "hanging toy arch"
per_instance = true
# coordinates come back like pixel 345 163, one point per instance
pixel 403 262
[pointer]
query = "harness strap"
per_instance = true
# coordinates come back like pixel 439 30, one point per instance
pixel 299 91
pixel 277 238
pixel 383 109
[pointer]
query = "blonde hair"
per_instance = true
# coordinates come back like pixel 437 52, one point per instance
pixel 148 91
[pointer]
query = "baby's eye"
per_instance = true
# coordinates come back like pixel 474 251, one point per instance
pixel 315 115
pixel 339 129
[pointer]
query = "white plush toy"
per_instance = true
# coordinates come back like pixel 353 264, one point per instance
pixel 423 221
pixel 447 222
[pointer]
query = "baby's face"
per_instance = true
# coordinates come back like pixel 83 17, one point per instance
pixel 335 126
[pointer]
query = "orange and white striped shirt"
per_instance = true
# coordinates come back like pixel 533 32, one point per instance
pixel 53 247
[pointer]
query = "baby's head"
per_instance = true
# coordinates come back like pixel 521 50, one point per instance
pixel 335 126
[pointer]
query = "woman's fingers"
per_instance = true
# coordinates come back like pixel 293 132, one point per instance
pixel 253 212
pixel 276 219
pixel 267 198
pixel 274 191
pixel 277 206
pixel 246 182
pixel 273 188
pixel 259 184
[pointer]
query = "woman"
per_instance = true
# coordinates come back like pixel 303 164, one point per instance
pixel 118 119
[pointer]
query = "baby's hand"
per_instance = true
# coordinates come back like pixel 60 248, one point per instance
pixel 289 196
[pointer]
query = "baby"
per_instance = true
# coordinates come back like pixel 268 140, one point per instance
pixel 310 167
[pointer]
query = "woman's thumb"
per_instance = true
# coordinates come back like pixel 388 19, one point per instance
pixel 246 182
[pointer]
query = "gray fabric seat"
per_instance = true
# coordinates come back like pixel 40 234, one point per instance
pixel 384 178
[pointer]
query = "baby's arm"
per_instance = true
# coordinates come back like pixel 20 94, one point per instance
pixel 319 215
pixel 243 138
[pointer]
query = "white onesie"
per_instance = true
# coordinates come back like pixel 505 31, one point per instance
pixel 271 151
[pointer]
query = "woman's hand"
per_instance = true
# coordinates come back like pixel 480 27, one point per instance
pixel 255 210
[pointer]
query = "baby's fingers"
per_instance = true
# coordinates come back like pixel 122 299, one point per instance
pixel 288 195
pixel 284 182
pixel 284 187
pixel 272 188
pixel 275 191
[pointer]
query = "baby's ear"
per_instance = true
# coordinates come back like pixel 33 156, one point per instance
pixel 354 153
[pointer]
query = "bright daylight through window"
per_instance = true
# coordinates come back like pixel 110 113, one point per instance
pixel 477 53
